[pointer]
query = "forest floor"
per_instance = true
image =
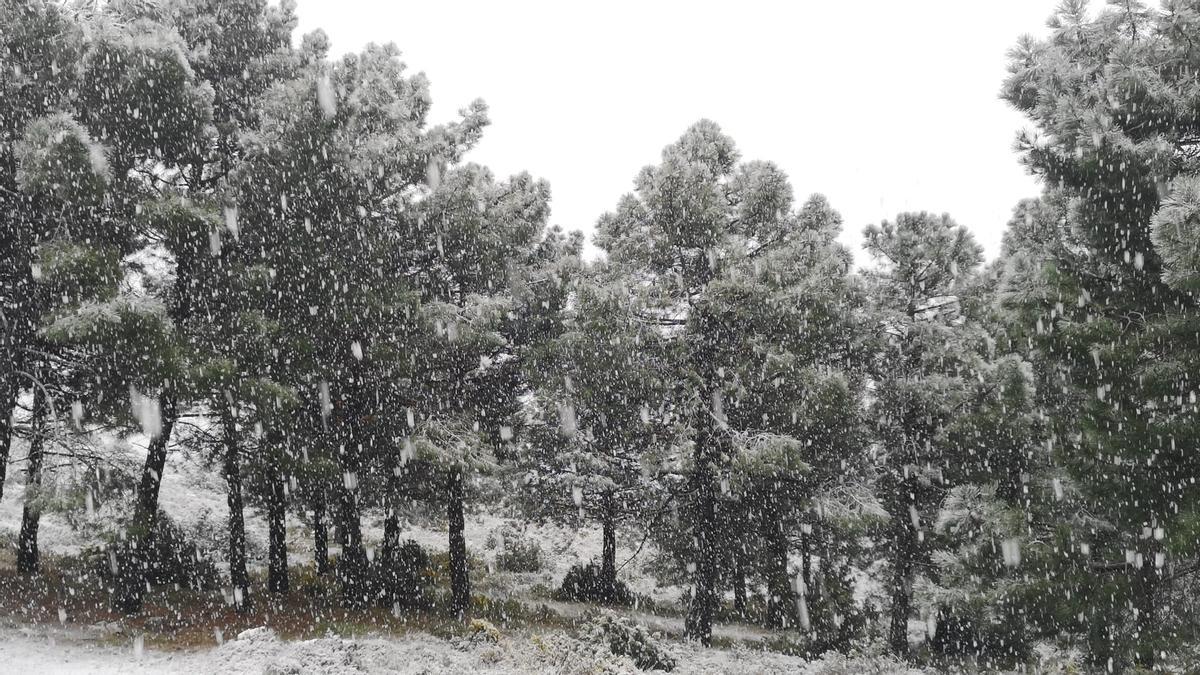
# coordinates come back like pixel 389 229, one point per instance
pixel 52 624
pixel 57 623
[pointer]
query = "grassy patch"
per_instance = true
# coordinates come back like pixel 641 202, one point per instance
pixel 175 619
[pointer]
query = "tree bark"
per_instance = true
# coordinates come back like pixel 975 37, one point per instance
pixel 277 566
pixel 320 536
pixel 8 403
pixel 460 582
pixel 391 521
pixel 902 567
pixel 739 583
pixel 131 574
pixel 698 624
pixel 781 600
pixel 1145 600
pixel 238 577
pixel 27 544
pixel 608 559
pixel 352 564
pixel 387 573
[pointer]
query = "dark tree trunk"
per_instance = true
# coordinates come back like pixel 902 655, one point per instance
pixel 320 536
pixel 238 576
pixel 387 573
pixel 460 582
pixel 8 403
pixel 806 574
pixel 131 574
pixel 739 583
pixel 1145 601
pixel 781 600
pixel 608 559
pixel 902 568
pixel 27 544
pixel 391 521
pixel 698 624
pixel 352 564
pixel 277 566
pixel 805 560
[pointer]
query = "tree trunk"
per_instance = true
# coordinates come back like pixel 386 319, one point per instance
pixel 27 544
pixel 352 564
pixel 238 577
pixel 460 582
pixel 320 536
pixel 391 521
pixel 608 559
pixel 387 572
pixel 779 588
pixel 739 584
pixel 698 624
pixel 131 574
pixel 902 566
pixel 813 587
pixel 1145 601
pixel 277 566
pixel 8 403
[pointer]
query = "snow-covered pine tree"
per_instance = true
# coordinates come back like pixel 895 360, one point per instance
pixel 1096 285
pixel 473 236
pixel 926 360
pixel 602 429
pixel 336 159
pixel 793 395
pixel 689 239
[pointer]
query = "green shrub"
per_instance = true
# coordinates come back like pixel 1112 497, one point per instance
pixel 171 559
pixel 405 577
pixel 626 638
pixel 584 583
pixel 519 553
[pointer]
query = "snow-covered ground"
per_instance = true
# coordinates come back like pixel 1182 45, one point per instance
pixel 193 496
pixel 259 651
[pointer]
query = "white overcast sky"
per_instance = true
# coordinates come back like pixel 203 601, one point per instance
pixel 883 106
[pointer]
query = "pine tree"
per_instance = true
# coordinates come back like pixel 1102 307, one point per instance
pixel 690 236
pixel 926 358
pixel 473 234
pixel 794 399
pixel 1110 95
pixel 601 438
pixel 39 50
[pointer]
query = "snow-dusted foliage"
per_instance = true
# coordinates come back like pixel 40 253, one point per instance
pixel 282 370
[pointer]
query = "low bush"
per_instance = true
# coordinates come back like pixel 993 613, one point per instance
pixel 519 553
pixel 171 559
pixel 405 577
pixel 585 583
pixel 626 638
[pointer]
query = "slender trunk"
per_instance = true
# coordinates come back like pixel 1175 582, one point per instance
pixel 698 624
pixel 27 546
pixel 460 582
pixel 805 560
pixel 352 564
pixel 8 403
pixel 387 572
pixel 781 600
pixel 806 574
pixel 608 560
pixel 739 583
pixel 131 574
pixel 1145 601
pixel 238 576
pixel 902 566
pixel 320 536
pixel 277 566
pixel 391 521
